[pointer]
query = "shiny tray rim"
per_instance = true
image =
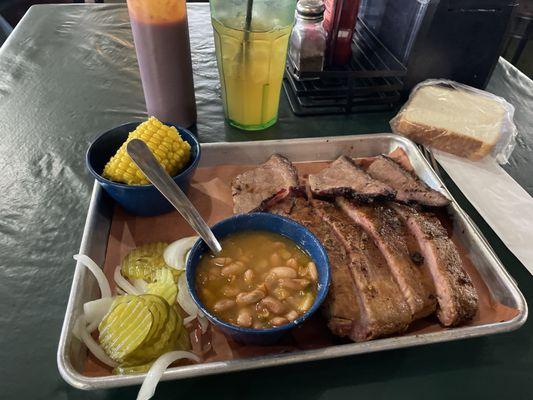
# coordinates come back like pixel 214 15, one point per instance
pixel 80 381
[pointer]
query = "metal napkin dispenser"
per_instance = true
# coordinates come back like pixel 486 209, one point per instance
pixel 452 39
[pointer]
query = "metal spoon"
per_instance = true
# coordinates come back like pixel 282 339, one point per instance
pixel 142 156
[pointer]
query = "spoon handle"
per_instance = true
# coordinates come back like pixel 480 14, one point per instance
pixel 142 156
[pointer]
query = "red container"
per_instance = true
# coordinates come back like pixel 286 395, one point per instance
pixel 339 22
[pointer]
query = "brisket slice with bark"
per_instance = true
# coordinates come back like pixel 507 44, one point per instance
pixel 269 183
pixel 383 225
pixel 344 178
pixel 383 309
pixel 456 295
pixel 409 188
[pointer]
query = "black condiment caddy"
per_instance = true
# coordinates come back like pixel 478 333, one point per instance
pixel 372 81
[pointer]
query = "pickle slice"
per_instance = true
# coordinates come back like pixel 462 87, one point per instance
pixel 164 286
pixel 125 328
pixel 156 340
pixel 144 261
pixel 165 341
pixel 162 339
pixel 138 329
pixel 160 312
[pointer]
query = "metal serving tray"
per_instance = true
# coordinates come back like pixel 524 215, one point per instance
pixel 72 354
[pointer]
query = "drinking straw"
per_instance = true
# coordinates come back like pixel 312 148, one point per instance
pixel 242 54
pixel 248 20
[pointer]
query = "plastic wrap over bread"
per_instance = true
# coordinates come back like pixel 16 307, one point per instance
pixel 458 119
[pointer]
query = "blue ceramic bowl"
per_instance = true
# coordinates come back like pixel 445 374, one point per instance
pixel 142 200
pixel 262 222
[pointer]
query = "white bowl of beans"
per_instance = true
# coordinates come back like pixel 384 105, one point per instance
pixel 271 275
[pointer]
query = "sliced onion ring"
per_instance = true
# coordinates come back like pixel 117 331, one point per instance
pixel 184 297
pixel 176 252
pixel 80 330
pixel 105 290
pixel 189 319
pixel 95 311
pixel 158 368
pixel 140 284
pixel 123 283
pixel 203 321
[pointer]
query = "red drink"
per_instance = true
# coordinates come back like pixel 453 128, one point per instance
pixel 161 36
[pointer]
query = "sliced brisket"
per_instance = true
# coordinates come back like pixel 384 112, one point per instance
pixel 260 187
pixel 383 309
pixel 409 188
pixel 387 231
pixel 456 295
pixel 344 178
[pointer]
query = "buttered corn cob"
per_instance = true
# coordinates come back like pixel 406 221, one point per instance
pixel 164 141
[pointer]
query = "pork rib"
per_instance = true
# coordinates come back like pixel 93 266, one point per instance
pixel 383 309
pixel 344 178
pixel 456 295
pixel 387 231
pixel 409 188
pixel 270 182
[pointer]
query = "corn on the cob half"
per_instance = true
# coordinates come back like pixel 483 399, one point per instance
pixel 164 141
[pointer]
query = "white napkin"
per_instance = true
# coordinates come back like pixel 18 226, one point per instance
pixel 499 199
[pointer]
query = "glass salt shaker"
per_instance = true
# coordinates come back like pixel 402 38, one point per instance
pixel 307 44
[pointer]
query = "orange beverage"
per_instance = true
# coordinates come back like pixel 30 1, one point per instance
pixel 251 47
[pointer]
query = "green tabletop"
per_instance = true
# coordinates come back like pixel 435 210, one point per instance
pixel 68 73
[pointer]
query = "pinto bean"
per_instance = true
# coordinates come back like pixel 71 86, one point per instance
pixel 280 293
pixel 262 312
pixel 271 282
pixel 249 276
pixel 292 263
pixel 294 284
pixel 232 269
pixel 230 291
pixel 223 305
pixel 292 315
pixel 250 297
pixel 244 318
pixel 306 303
pixel 283 272
pixel 313 273
pixel 272 304
pixel 278 245
pixel 278 321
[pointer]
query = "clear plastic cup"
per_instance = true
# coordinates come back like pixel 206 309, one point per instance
pixel 251 63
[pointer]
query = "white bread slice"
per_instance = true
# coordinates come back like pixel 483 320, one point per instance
pixel 452 119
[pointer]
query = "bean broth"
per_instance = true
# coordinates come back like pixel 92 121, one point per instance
pixel 260 280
